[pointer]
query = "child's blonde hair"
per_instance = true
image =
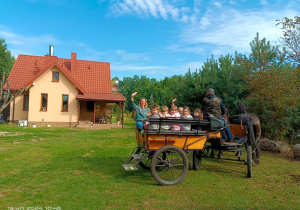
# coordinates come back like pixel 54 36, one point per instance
pixel 174 108
pixel 165 108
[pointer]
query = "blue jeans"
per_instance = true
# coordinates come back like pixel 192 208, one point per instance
pixel 227 131
pixel 140 125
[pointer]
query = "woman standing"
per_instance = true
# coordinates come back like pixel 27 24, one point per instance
pixel 142 112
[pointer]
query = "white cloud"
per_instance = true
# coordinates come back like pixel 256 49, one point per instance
pixel 229 30
pixel 155 8
pixel 193 66
pixel 217 4
pixel 136 68
pixel 195 49
pixel 131 56
pixel 159 72
pixel 264 2
pixel 22 44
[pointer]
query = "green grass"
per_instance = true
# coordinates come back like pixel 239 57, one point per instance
pixel 82 169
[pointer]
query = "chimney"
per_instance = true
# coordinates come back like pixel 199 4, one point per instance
pixel 51 47
pixel 73 62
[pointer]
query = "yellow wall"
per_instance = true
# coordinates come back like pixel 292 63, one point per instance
pixel 84 115
pixel 19 113
pixel 54 91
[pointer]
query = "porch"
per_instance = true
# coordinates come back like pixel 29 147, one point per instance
pixel 96 110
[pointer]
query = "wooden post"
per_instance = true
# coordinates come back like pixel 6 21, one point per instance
pixel 13 114
pixel 94 112
pixel 122 107
pixel 78 109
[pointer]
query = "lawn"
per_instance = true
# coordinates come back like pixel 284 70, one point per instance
pixel 76 168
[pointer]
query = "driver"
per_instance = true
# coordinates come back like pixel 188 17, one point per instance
pixel 214 105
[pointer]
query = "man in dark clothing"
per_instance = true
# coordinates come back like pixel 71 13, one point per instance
pixel 214 105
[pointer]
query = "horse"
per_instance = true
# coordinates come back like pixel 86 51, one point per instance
pixel 252 123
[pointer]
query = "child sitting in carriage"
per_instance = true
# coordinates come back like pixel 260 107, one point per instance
pixel 174 114
pixel 164 113
pixel 154 115
pixel 186 115
pixel 198 115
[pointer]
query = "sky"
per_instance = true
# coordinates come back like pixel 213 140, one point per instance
pixel 154 38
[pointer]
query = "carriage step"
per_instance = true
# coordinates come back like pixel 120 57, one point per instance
pixel 137 156
pixel 129 167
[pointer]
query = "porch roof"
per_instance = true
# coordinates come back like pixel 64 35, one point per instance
pixel 109 97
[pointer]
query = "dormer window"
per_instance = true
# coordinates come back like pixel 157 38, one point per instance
pixel 55 76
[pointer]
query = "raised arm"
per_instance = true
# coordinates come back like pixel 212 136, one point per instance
pixel 173 102
pixel 132 96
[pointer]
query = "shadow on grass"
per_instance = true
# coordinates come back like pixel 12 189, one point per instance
pixel 225 167
pixel 112 167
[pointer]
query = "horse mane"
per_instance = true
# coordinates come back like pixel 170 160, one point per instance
pixel 241 109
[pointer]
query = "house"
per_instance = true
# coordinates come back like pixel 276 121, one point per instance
pixel 62 92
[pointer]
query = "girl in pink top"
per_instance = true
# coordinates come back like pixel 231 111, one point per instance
pixel 174 114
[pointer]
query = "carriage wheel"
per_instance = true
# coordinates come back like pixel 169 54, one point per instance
pixel 197 159
pixel 205 152
pixel 146 162
pixel 249 161
pixel 169 165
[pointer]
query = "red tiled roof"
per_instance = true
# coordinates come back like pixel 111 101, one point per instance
pixel 87 76
pixel 101 96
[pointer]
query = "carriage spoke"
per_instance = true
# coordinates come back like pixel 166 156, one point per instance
pixel 162 171
pixel 162 160
pixel 147 161
pixel 176 159
pixel 172 173
pixel 167 174
pixel 177 171
pixel 172 157
pixel 177 165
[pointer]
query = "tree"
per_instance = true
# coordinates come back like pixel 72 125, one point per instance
pixel 291 41
pixel 6 63
pixel 7 60
pixel 8 96
pixel 272 84
pixel 291 37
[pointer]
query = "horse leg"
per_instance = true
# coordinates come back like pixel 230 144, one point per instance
pixel 257 133
pixel 256 128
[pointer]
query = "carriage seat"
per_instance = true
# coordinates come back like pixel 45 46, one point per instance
pixel 215 123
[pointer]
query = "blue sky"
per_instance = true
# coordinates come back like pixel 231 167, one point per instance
pixel 155 38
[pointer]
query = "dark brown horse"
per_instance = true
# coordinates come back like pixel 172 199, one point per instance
pixel 254 129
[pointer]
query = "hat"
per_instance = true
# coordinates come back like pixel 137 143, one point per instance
pixel 210 90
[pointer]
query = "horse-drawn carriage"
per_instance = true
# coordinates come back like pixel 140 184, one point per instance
pixel 164 152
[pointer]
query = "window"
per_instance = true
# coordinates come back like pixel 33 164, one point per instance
pixel 65 102
pixel 25 102
pixel 44 101
pixel 55 76
pixel 90 106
